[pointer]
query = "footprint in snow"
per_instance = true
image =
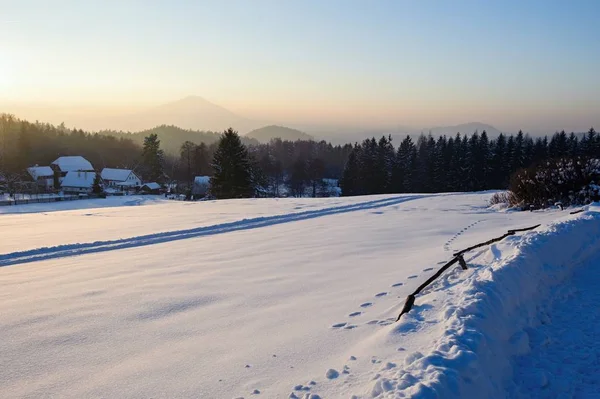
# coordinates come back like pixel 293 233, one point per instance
pixel 332 374
pixel 366 305
pixel 413 276
pixel 354 314
pixel 381 294
pixel 397 284
pixel 350 327
pixel 338 325
pixel 428 269
pixel 373 322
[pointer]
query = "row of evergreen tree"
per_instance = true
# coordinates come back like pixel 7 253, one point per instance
pixel 460 163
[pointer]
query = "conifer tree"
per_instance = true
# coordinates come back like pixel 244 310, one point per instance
pixel 350 181
pixel 232 177
pixel 153 159
pixel 97 185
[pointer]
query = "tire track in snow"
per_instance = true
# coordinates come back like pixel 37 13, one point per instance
pixel 67 250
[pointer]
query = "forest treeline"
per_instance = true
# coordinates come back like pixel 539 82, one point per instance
pixel 459 163
pixel 24 144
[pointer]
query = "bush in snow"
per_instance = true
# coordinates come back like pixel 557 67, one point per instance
pixel 505 197
pixel 570 181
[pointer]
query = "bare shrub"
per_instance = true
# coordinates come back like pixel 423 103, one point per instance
pixel 570 181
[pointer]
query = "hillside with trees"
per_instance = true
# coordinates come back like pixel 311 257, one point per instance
pixel 173 137
pixel 268 133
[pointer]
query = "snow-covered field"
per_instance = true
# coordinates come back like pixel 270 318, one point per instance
pixel 287 298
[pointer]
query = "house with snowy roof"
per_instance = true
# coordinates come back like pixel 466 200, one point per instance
pixel 78 182
pixel 120 178
pixel 151 188
pixel 42 175
pixel 64 165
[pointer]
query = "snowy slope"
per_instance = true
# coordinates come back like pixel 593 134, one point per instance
pixel 246 298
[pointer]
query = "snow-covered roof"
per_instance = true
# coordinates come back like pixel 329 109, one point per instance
pixel 152 186
pixel 79 179
pixel 202 180
pixel 73 163
pixel 40 171
pixel 115 174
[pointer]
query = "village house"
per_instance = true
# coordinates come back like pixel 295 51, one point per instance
pixel 78 182
pixel 64 165
pixel 43 176
pixel 151 188
pixel 122 179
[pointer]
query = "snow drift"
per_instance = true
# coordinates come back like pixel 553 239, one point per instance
pixel 488 318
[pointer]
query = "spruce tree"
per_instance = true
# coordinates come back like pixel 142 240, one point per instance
pixel 232 166
pixel 97 185
pixel 350 180
pixel 153 159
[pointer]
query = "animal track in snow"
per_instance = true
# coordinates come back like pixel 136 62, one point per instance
pixel 338 325
pixel 397 284
pixel 381 294
pixel 413 276
pixel 428 269
pixel 354 314
pixel 366 304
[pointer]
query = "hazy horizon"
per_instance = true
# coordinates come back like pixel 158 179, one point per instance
pixel 347 64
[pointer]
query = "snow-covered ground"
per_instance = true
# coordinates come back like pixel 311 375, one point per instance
pixel 283 298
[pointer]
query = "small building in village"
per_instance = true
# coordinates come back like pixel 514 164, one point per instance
pixel 43 176
pixel 122 179
pixel 78 182
pixel 64 165
pixel 150 188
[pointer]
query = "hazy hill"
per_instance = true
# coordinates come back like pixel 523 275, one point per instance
pixel 171 137
pixel 194 113
pixel 267 133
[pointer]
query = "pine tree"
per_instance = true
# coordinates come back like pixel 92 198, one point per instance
pixel 498 159
pixel 384 166
pixel 153 159
pixel 403 170
pixel 350 181
pixel 232 176
pixel 97 185
pixel 484 158
pixel 186 155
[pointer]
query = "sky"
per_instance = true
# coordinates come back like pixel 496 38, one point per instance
pixel 514 64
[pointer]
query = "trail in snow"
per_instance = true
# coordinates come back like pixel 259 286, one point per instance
pixel 62 251
pixel 565 356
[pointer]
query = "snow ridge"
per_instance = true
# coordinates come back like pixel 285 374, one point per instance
pixel 61 251
pixel 489 317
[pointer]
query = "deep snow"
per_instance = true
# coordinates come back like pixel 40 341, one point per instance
pixel 276 298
